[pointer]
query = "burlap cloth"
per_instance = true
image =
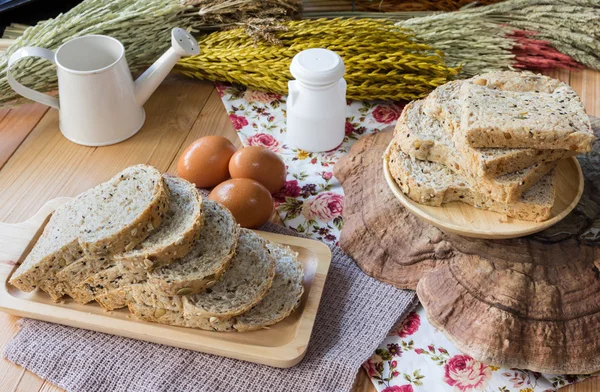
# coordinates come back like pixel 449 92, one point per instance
pixel 355 315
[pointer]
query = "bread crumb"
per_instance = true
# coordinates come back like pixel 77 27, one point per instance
pixel 504 218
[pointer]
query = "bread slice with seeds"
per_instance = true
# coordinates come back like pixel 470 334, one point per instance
pixel 279 302
pixel 58 246
pixel 443 105
pixel 87 279
pixel 112 217
pixel 497 118
pixel 176 235
pixel 201 268
pixel 434 184
pixel 166 316
pixel 208 258
pixel 100 284
pixel 281 299
pixel 425 138
pixel 242 286
pixel 513 110
pixel 121 213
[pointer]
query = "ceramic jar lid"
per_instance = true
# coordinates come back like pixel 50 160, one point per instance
pixel 317 67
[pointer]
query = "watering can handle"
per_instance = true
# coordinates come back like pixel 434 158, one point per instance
pixel 27 92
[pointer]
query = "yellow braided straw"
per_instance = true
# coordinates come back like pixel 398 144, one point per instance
pixel 382 61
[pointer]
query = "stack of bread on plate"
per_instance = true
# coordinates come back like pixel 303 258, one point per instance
pixel 492 141
pixel 150 243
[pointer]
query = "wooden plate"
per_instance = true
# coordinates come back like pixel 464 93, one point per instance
pixel 464 219
pixel 282 345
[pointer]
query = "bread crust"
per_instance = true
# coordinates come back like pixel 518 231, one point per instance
pixel 446 187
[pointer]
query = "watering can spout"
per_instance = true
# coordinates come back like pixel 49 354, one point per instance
pixel 182 44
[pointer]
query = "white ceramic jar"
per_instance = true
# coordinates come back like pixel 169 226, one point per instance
pixel 316 105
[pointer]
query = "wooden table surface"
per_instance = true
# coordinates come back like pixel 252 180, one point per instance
pixel 38 164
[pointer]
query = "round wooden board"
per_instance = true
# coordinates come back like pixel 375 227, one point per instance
pixel 466 220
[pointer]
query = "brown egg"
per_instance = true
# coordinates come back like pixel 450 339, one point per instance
pixel 250 203
pixel 260 164
pixel 206 161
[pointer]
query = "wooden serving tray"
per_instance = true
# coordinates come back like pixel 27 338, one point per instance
pixel 282 345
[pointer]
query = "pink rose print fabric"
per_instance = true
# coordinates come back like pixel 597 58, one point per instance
pixel 414 357
pixel 466 374
pixel 418 355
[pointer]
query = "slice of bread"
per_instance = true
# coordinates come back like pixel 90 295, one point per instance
pixel 100 284
pixel 281 299
pixel 241 287
pixel 279 302
pixel 490 117
pixel 434 184
pixel 176 236
pixel 73 274
pixel 425 138
pixel 57 247
pixel 443 105
pixel 208 258
pixel 517 81
pixel 201 268
pixel 112 217
pixel 122 212
pixel 166 316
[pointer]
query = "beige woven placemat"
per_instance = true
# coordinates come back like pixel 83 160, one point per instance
pixel 345 335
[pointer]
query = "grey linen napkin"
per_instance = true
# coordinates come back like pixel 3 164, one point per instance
pixel 355 315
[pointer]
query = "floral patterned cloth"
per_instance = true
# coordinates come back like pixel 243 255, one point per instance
pixel 415 356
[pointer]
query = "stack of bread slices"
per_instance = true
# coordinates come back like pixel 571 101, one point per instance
pixel 150 243
pixel 492 141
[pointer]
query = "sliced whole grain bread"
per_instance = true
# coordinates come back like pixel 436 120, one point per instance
pixel 281 299
pixel 200 269
pixel 241 287
pixel 207 260
pixel 102 283
pixel 122 212
pixel 176 236
pixel 57 247
pixel 166 316
pixel 443 104
pixel 109 218
pixel 517 81
pixel 279 302
pixel 425 138
pixel 73 274
pixel 434 184
pixel 492 117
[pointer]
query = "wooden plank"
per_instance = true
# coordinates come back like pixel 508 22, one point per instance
pixel 3 113
pixel 30 382
pixel 15 126
pixel 587 85
pixel 49 387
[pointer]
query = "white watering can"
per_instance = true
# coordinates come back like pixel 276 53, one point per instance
pixel 99 102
